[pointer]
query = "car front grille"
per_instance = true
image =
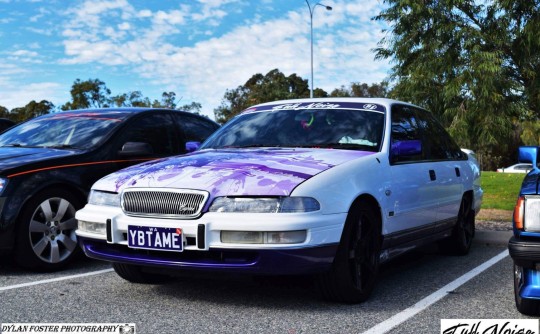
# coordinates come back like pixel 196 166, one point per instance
pixel 163 202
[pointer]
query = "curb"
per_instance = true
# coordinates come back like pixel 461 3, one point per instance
pixel 487 237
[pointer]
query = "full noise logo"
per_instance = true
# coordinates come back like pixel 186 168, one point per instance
pixel 490 326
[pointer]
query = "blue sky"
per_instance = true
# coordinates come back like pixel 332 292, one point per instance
pixel 196 48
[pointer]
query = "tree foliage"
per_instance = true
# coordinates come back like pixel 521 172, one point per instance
pixel 31 110
pixel 88 94
pixel 475 64
pixel 357 89
pixel 263 88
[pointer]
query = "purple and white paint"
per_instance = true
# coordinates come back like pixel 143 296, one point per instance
pixel 232 172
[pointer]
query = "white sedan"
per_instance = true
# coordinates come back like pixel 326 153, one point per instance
pixel 517 168
pixel 331 187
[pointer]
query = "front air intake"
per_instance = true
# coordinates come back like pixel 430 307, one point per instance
pixel 163 202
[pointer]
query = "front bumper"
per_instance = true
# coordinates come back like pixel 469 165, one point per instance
pixel 204 249
pixel 525 253
pixel 261 261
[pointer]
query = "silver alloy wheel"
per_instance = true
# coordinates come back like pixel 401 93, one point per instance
pixel 52 230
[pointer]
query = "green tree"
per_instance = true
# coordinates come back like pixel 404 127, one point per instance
pixel 263 88
pixel 88 94
pixel 130 99
pixel 357 89
pixel 475 64
pixel 4 112
pixel 193 107
pixel 31 110
pixel 168 100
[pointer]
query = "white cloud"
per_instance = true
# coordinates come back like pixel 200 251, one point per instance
pixel 14 96
pixel 24 56
pixel 204 71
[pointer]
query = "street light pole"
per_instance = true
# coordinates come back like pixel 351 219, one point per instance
pixel 311 11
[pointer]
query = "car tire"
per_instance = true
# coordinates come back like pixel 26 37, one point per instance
pixel 354 272
pixel 524 306
pixel 46 239
pixel 459 243
pixel 135 274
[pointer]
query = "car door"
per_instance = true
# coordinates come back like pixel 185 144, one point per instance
pixel 448 164
pixel 412 189
pixel 153 134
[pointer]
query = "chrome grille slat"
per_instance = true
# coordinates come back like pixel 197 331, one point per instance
pixel 163 202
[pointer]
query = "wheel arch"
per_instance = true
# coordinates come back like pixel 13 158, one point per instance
pixel 55 186
pixel 372 202
pixel 470 194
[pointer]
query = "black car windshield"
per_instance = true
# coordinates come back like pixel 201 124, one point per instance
pixel 62 130
pixel 323 128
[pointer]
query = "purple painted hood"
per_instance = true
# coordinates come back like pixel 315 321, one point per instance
pixel 232 172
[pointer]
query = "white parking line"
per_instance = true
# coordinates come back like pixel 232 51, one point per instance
pixel 389 324
pixel 52 280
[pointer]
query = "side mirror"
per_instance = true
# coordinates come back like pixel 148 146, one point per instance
pixel 528 154
pixel 192 146
pixel 136 149
pixel 406 148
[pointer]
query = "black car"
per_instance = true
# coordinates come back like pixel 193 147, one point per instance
pixel 49 163
pixel 6 124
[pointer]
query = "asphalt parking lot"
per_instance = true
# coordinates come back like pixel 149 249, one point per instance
pixel 413 294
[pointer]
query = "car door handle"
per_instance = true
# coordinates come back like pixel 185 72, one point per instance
pixel 432 175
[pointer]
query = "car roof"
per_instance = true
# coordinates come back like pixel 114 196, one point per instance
pixel 119 113
pixel 346 101
pixel 378 100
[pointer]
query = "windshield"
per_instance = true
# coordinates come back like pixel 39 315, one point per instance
pixel 62 130
pixel 323 128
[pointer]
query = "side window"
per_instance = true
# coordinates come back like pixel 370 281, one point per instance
pixel 406 137
pixel 155 129
pixel 439 144
pixel 195 128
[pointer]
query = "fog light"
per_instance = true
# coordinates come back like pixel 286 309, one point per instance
pixel 241 237
pixel 288 237
pixel 93 227
pixel 250 237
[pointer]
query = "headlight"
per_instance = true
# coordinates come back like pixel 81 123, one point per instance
pixel 265 205
pixel 97 197
pixel 527 213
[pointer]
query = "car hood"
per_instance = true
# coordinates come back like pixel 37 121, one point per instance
pixel 11 157
pixel 233 172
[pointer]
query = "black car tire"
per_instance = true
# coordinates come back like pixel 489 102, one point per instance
pixel 135 274
pixel 524 306
pixel 354 272
pixel 46 239
pixel 459 243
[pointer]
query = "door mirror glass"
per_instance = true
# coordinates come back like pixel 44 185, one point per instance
pixel 192 146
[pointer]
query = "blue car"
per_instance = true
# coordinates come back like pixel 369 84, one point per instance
pixel 524 246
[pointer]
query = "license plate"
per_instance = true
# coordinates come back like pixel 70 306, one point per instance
pixel 156 238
